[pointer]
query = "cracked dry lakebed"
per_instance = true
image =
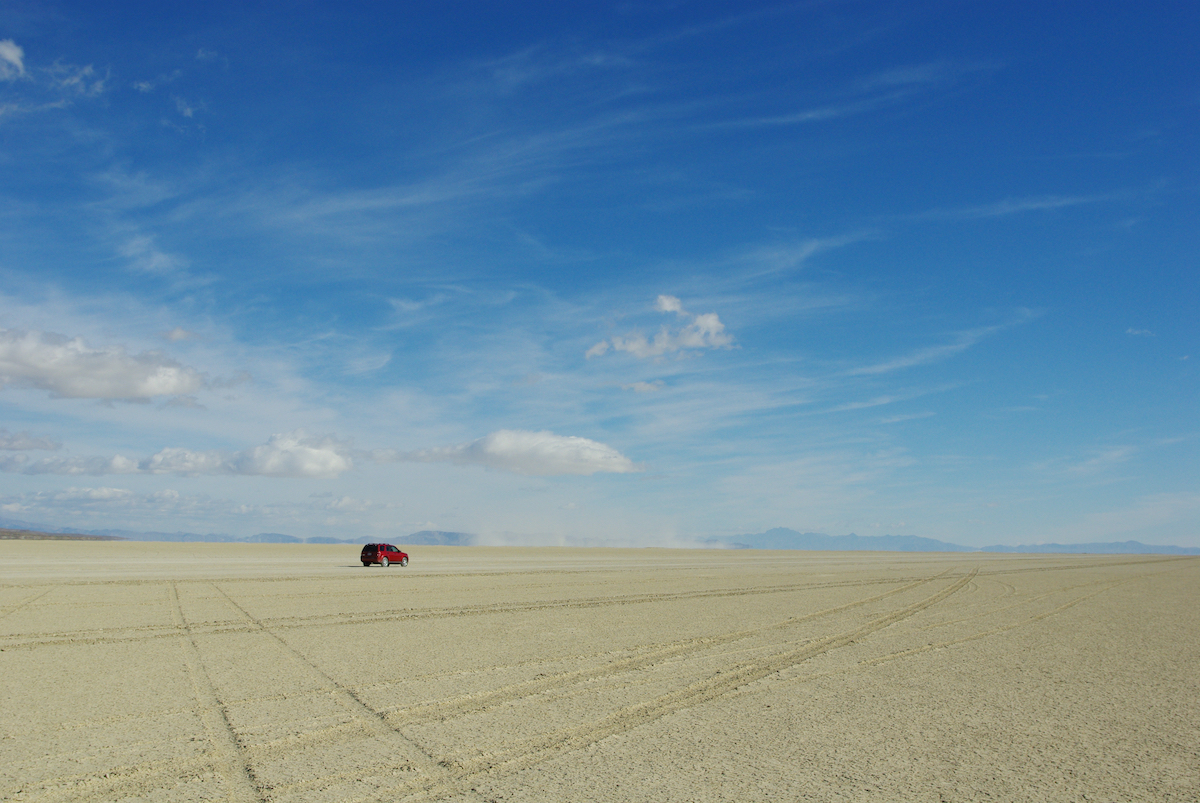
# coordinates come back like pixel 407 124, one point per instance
pixel 239 672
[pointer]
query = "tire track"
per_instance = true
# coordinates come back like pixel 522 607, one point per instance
pixel 459 774
pixel 1009 589
pixel 993 631
pixel 149 632
pixel 301 579
pixel 27 601
pixel 470 704
pixel 1097 564
pixel 226 757
pixel 230 758
pixel 1021 603
pixel 416 757
pixel 869 662
pixel 476 703
pixel 132 779
pixel 643 657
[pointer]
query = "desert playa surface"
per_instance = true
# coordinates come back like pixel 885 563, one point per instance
pixel 178 672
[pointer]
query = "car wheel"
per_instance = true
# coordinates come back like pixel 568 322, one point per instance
pixel 403 561
pixel 366 563
pixel 384 562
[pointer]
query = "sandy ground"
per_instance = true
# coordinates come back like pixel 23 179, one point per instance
pixel 133 671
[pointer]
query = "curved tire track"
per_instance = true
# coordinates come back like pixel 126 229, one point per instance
pixel 458 775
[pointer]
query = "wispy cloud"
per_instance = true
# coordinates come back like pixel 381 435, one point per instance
pixel 896 419
pixel 880 90
pixel 145 256
pixel 1100 462
pixel 12 60
pixel 77 81
pixel 36 88
pixel 783 257
pixel 932 354
pixel 923 356
pixel 539 63
pixel 644 387
pixel 71 466
pixel 1143 518
pixel 17 441
pixel 177 334
pixel 161 80
pixel 186 108
pixel 1010 206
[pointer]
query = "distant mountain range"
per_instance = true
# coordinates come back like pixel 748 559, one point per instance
pixel 438 538
pixel 1109 548
pixel 783 538
pixel 778 538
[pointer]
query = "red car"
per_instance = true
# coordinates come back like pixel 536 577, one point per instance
pixel 383 554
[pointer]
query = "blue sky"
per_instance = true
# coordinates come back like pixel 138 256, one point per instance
pixel 634 272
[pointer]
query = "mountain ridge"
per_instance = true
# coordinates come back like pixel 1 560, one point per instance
pixel 781 538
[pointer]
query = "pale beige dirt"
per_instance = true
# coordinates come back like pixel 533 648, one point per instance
pixel 175 672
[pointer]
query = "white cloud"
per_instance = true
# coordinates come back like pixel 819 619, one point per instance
pixel 292 454
pixel 669 304
pixel 71 79
pixel 16 441
pixel 150 86
pixel 644 387
pixel 1140 332
pixel 295 455
pixel 353 505
pixel 174 460
pixel 189 402
pixel 92 494
pixel 70 466
pixel 38 89
pixel 541 454
pixel 597 350
pixel 703 332
pixel 67 368
pixel 12 60
pixel 183 107
pixel 178 333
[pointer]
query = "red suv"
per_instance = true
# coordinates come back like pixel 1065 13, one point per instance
pixel 383 554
